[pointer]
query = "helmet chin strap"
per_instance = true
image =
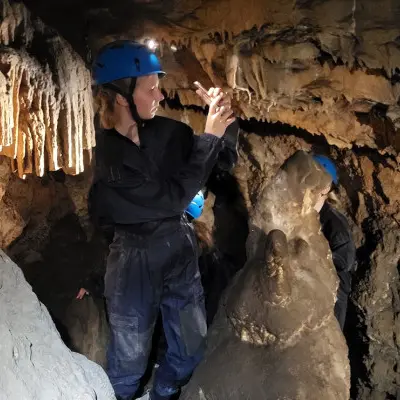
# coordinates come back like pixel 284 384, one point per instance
pixel 132 105
pixel 129 98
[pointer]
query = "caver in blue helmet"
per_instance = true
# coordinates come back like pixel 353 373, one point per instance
pixel 328 165
pixel 125 59
pixel 195 208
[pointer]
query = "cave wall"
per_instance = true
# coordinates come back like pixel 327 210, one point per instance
pixel 45 228
pixel 327 67
pixel 35 203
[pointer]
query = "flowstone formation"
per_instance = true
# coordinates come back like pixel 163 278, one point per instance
pixel 275 335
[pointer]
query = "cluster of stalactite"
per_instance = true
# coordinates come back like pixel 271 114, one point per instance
pixel 46 113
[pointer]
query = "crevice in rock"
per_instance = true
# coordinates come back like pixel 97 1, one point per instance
pixel 272 129
pixel 379 189
pixel 174 103
pixel 356 329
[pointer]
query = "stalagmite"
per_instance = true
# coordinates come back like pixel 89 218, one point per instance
pixel 275 335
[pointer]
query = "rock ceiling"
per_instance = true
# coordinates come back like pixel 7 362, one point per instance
pixel 331 67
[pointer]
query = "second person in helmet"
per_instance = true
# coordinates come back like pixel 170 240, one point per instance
pixel 148 170
pixel 336 230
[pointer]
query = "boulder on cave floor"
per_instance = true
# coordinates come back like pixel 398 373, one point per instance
pixel 35 363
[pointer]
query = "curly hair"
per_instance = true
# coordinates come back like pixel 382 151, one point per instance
pixel 104 101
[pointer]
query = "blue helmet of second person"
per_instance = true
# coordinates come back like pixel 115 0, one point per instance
pixel 328 165
pixel 124 59
pixel 195 208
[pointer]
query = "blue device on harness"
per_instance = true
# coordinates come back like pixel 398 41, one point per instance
pixel 328 165
pixel 195 208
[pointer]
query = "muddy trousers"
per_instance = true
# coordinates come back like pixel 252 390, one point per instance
pixel 145 275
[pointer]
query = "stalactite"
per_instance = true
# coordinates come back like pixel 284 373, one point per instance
pixel 298 90
pixel 46 108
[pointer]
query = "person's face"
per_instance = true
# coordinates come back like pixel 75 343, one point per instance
pixel 321 198
pixel 325 192
pixel 147 96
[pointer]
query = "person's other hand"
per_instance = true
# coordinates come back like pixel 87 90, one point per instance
pixel 81 294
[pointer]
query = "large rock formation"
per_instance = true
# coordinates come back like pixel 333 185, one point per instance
pixel 369 196
pixel 275 335
pixel 35 362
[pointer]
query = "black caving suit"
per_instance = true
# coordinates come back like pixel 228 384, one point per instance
pixel 337 231
pixel 142 192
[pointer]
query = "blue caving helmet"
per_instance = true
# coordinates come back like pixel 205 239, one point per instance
pixel 328 165
pixel 195 208
pixel 125 59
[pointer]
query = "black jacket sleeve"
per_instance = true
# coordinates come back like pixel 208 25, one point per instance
pixel 144 185
pixel 343 254
pixel 337 231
